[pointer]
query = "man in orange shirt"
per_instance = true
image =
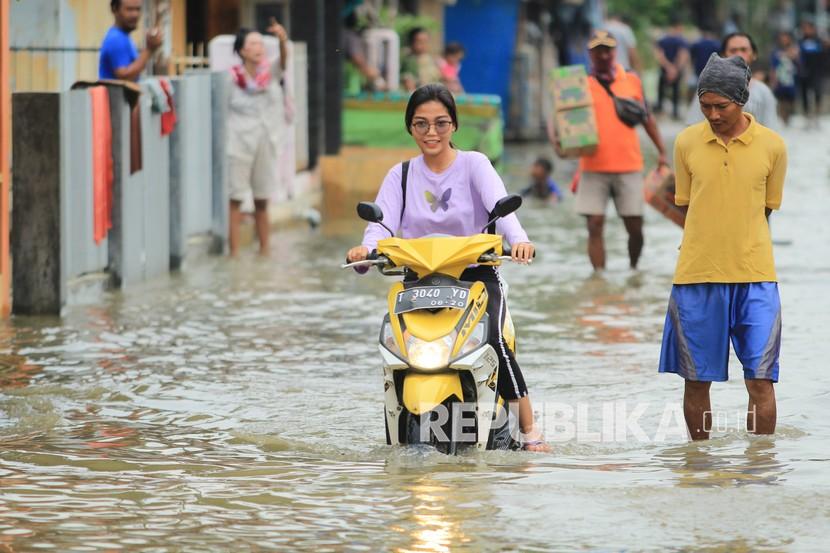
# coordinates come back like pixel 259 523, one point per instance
pixel 615 170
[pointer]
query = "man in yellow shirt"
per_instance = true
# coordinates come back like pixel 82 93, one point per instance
pixel 729 176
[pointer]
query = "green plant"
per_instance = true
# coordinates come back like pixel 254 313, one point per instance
pixel 403 23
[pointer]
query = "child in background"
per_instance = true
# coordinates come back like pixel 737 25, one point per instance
pixel 450 66
pixel 542 184
pixel 785 60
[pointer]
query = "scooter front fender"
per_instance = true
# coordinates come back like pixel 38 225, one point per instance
pixel 424 392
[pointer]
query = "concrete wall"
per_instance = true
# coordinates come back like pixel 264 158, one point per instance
pixel 82 254
pixel 37 272
pixel 299 91
pixel 56 23
pixel 191 154
pixel 139 242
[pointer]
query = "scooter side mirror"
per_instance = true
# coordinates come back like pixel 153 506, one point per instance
pixel 371 212
pixel 507 205
pixel 503 208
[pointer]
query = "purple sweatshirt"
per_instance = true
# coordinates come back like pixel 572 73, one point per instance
pixel 456 202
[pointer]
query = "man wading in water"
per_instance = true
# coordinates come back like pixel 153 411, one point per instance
pixel 729 177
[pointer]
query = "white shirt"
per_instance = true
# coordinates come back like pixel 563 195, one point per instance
pixel 255 117
pixel 625 41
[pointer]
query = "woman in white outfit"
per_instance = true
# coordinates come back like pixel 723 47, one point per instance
pixel 256 122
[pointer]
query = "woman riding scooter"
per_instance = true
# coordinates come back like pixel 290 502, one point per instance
pixel 453 192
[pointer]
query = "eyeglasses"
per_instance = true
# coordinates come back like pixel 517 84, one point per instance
pixel 441 127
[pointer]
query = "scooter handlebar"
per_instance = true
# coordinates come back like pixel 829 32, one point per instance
pixel 365 263
pixel 372 260
pixel 491 258
pixel 375 260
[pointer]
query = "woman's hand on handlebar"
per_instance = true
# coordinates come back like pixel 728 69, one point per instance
pixel 523 252
pixel 358 253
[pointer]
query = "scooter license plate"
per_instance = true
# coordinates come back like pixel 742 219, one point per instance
pixel 432 297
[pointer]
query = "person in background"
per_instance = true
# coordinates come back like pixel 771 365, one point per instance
pixel 542 185
pixel 784 63
pixel 699 53
pixel 119 58
pixel 672 54
pixel 419 66
pixel 729 177
pixel 615 169
pixel 702 49
pixel 762 103
pixel 450 66
pixel 627 55
pixel 256 122
pixel 812 72
pixel 359 74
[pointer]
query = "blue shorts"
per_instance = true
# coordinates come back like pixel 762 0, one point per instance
pixel 701 320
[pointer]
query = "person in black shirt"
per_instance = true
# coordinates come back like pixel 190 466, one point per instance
pixel 812 71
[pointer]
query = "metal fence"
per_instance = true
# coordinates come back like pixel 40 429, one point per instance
pixel 56 68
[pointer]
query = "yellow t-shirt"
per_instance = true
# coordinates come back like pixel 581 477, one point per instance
pixel 727 188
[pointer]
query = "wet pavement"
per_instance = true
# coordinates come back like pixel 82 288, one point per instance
pixel 237 406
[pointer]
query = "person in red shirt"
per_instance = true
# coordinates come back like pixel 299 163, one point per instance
pixel 615 169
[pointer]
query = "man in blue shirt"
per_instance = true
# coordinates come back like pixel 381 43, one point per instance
pixel 672 54
pixel 704 47
pixel 119 57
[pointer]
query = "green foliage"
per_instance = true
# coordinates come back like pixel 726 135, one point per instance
pixel 403 23
pixel 644 14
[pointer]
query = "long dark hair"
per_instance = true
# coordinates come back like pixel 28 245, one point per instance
pixel 430 93
pixel 239 41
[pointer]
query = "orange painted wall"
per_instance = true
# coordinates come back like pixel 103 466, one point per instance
pixel 5 136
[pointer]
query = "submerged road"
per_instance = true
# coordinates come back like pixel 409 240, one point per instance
pixel 237 406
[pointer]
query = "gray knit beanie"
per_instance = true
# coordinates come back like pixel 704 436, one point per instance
pixel 727 77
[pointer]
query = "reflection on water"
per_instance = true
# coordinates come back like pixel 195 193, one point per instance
pixel 238 406
pixel 435 528
pixel 703 465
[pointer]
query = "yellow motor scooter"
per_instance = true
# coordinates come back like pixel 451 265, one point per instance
pixel 440 374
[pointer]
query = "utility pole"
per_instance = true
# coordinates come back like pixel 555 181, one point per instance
pixel 5 146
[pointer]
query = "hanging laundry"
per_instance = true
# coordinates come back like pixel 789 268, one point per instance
pixel 102 164
pixel 168 118
pixel 161 95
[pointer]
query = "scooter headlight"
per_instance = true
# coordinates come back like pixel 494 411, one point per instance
pixel 387 339
pixel 431 355
pixel 476 339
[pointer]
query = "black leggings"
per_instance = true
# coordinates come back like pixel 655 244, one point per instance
pixel 811 84
pixel 675 93
pixel 511 382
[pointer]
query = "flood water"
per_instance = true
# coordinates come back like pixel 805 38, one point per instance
pixel 237 406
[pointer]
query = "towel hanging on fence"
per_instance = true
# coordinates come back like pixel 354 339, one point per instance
pixel 168 118
pixel 161 95
pixel 136 159
pixel 102 172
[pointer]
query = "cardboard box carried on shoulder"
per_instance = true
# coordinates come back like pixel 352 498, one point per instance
pixel 574 119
